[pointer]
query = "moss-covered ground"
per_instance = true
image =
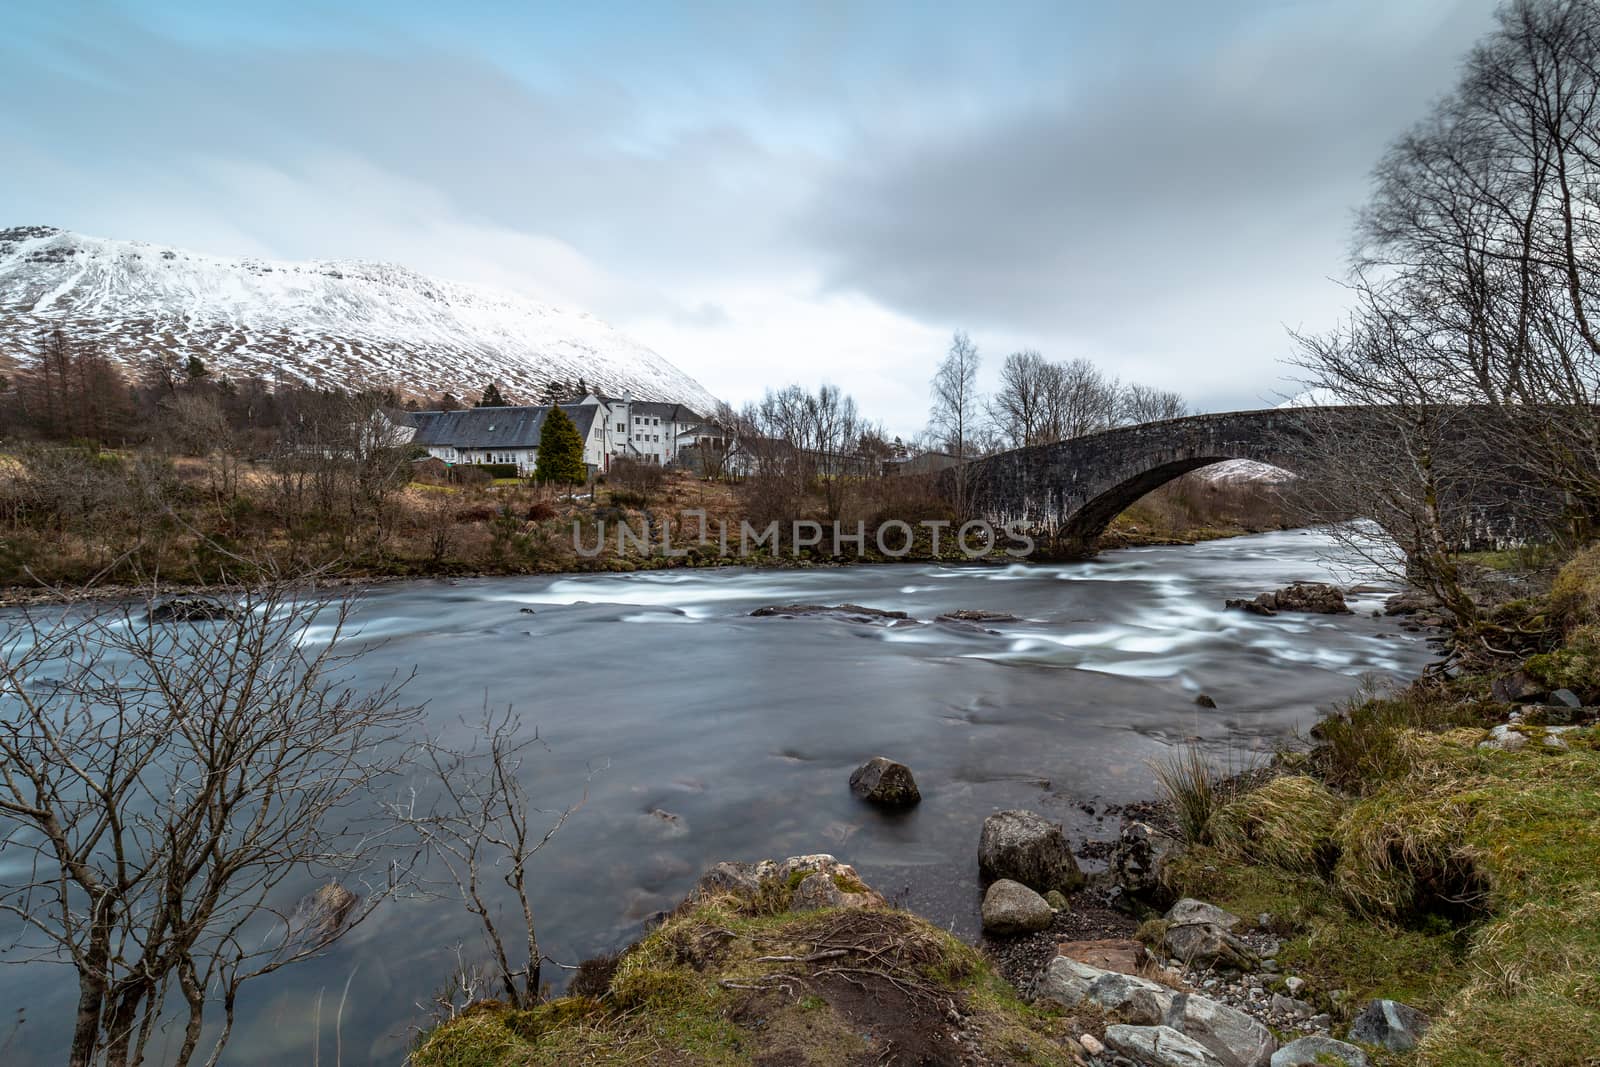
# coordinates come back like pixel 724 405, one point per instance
pixel 739 980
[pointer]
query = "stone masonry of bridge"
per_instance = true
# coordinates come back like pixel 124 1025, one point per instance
pixel 1069 491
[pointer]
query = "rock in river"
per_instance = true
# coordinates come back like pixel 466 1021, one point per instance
pixel 884 782
pixel 974 616
pixel 848 612
pixel 1315 597
pixel 1012 908
pixel 1027 848
pixel 189 609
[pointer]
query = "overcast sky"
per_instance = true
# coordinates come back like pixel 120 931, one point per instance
pixel 764 193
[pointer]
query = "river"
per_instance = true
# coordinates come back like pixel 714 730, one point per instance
pixel 661 691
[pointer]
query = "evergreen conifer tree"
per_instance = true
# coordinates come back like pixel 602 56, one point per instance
pixel 491 397
pixel 560 451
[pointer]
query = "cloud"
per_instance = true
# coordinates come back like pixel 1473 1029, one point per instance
pixel 803 196
pixel 1169 212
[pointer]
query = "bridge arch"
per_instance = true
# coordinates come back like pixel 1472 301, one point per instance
pixel 1070 491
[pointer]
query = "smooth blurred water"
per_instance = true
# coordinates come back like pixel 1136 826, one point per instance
pixel 747 730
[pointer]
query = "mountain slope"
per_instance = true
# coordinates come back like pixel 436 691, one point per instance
pixel 320 322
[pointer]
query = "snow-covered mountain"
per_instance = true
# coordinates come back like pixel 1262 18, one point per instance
pixel 322 322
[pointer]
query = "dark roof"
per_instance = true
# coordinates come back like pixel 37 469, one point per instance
pixel 507 427
pixel 660 409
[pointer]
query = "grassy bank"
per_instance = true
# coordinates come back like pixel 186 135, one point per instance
pixel 739 978
pixel 1411 856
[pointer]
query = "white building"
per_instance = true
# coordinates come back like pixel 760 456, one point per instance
pixel 506 435
pixel 612 429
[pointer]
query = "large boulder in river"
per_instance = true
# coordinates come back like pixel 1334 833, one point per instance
pixel 1314 597
pixel 1012 908
pixel 1027 848
pixel 884 782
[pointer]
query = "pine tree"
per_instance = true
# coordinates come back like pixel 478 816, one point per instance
pixel 560 451
pixel 196 369
pixel 491 397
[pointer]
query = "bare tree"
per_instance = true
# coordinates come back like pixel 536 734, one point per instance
pixel 835 428
pixel 1079 400
pixel 954 416
pixel 1483 226
pixel 803 445
pixel 71 391
pixel 1401 452
pixel 1022 403
pixel 1143 403
pixel 163 789
pixel 473 818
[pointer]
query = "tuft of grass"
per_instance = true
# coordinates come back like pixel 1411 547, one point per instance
pixel 474 1039
pixel 1288 822
pixel 1193 787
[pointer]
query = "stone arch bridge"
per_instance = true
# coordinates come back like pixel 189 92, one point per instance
pixel 1069 491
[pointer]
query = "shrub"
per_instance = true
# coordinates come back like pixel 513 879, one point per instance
pixel 468 474
pixel 641 478
pixel 623 498
pixel 497 470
